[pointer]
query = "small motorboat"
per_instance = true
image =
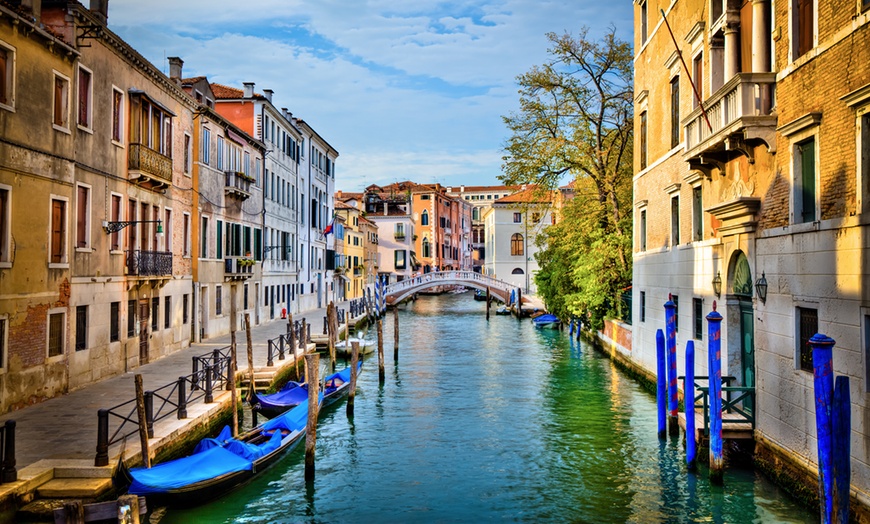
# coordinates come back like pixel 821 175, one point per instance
pixel 547 321
pixel 343 348
pixel 503 310
pixel 479 294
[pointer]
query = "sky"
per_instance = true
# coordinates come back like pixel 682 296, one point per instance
pixel 403 90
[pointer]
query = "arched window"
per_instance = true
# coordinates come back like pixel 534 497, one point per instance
pixel 475 213
pixel 517 271
pixel 427 249
pixel 424 219
pixel 516 245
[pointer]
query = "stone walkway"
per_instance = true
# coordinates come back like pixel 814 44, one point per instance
pixel 66 427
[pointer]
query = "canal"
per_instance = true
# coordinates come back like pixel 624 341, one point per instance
pixel 495 421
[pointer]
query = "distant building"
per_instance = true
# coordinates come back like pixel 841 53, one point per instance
pixel 392 212
pixel 480 198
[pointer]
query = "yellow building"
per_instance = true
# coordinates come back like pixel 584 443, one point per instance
pixel 354 250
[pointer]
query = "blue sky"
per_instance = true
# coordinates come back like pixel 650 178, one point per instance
pixel 403 90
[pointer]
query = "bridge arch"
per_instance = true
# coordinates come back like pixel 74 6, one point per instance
pixel 399 291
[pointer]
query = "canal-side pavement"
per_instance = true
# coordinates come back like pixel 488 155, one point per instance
pixel 63 431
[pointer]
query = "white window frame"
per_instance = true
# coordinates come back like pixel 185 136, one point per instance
pixel 859 100
pixel 205 146
pixel 121 236
pixel 204 224
pixel 63 337
pixel 66 105
pixel 186 223
pixel 6 261
pixel 87 248
pixel 10 76
pixel 167 228
pixel 798 131
pixel 122 113
pixel 794 37
pixel 64 264
pixel 88 126
pixel 187 154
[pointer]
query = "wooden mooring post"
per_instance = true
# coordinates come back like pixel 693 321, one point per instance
pixel 714 348
pixel 396 333
pixel 330 336
pixel 488 302
pixel 250 353
pixel 671 345
pixel 354 359
pixel 689 405
pixel 231 378
pixel 143 424
pixel 312 366
pixel 662 384
pixel 381 374
pixel 519 304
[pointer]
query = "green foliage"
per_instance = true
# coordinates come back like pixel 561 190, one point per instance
pixel 575 122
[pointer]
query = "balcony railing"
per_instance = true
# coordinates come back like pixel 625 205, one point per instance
pixel 238 184
pixel 148 166
pixel 239 267
pixel 740 106
pixel 149 263
pixel 399 235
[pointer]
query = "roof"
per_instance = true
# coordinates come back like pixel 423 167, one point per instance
pixel 530 195
pixel 192 80
pixel 481 189
pixel 341 205
pixel 224 92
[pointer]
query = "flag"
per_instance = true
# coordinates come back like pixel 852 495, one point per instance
pixel 329 228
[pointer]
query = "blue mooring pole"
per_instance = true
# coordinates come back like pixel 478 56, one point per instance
pixel 673 402
pixel 661 391
pixel 841 420
pixel 823 389
pixel 689 405
pixel 714 351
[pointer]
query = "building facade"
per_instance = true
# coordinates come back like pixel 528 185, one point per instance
pixel 392 212
pixel 480 198
pixel 753 197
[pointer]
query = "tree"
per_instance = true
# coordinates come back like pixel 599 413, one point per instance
pixel 575 121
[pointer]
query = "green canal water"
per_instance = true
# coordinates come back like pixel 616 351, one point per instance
pixel 494 421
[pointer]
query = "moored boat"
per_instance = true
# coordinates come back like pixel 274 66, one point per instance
pixel 479 294
pixel 503 310
pixel 547 321
pixel 294 393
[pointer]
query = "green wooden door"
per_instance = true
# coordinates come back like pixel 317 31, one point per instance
pixel 747 345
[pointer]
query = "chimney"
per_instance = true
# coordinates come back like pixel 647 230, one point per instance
pixel 175 65
pixel 268 93
pixel 249 89
pixel 100 9
pixel 35 7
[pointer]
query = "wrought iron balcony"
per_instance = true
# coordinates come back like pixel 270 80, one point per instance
pixel 238 185
pixel 149 263
pixel 399 235
pixel 239 268
pixel 739 111
pixel 148 167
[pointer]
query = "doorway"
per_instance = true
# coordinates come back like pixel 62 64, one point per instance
pixel 144 335
pixel 747 349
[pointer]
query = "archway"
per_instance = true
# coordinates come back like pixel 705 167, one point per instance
pixel 741 349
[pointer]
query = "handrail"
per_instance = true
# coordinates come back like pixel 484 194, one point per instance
pixel 447 276
pixel 731 404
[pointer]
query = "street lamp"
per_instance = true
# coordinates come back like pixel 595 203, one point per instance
pixel 114 227
pixel 761 288
pixel 717 285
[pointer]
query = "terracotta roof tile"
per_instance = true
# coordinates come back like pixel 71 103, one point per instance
pixel 224 92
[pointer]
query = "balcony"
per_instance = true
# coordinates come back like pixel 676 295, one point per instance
pixel 738 112
pixel 149 263
pixel 148 168
pixel 239 268
pixel 399 235
pixel 238 185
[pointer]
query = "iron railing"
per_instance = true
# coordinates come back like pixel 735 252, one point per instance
pixel 738 401
pixel 149 263
pixel 144 159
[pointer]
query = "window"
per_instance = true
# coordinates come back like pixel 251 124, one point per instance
pixel 60 112
pixel 7 76
pixel 85 98
pixel 697 215
pixel 400 259
pixel 698 77
pixel 131 318
pixel 863 155
pixel 117 115
pixel 185 305
pixel 5 221
pixel 114 321
pixel 187 154
pixel 808 325
pixel 675 221
pixel 56 322
pixel 643 306
pixel 517 271
pixel 642 228
pixel 675 111
pixel 115 237
pixel 218 300
pixel 186 235
pixel 220 153
pixel 475 213
pixel 697 318
pixel 518 218
pixel 131 231
pixel 245 301
pixel 203 246
pixel 427 248
pixel 643 22
pixel 167 229
pixel 676 300
pixel 642 133
pixel 3 342
pixel 516 245
pixel 204 148
pixel 167 302
pixel 424 218
pixel 803 27
pixel 81 328
pixel 155 313
pixel 805 181
pixel 150 125
pixel 83 216
pixel 58 232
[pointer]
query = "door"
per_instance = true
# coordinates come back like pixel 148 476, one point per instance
pixel 747 346
pixel 144 319
pixel 319 290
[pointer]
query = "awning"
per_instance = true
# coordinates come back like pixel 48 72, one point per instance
pixel 343 277
pixel 236 137
pixel 414 262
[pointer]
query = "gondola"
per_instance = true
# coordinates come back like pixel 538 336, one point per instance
pixel 272 405
pixel 217 465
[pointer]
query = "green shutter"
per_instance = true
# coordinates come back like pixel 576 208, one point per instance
pixel 258 244
pixel 808 180
pixel 219 243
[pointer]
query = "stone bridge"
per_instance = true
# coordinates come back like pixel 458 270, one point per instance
pixel 399 291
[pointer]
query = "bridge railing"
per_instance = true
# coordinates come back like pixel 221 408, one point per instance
pixel 457 277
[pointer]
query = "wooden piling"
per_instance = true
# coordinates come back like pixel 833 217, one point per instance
pixel 823 392
pixel 312 365
pixel 841 424
pixel 689 405
pixel 231 378
pixel 671 345
pixel 381 374
pixel 347 327
pixel 395 333
pixel 303 345
pixel 661 381
pixel 488 302
pixel 143 424
pixel 293 347
pixel 354 358
pixel 519 304
pixel 330 336
pixel 250 351
pixel 714 365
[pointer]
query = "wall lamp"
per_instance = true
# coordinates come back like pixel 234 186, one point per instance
pixel 717 285
pixel 114 227
pixel 266 249
pixel 761 287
